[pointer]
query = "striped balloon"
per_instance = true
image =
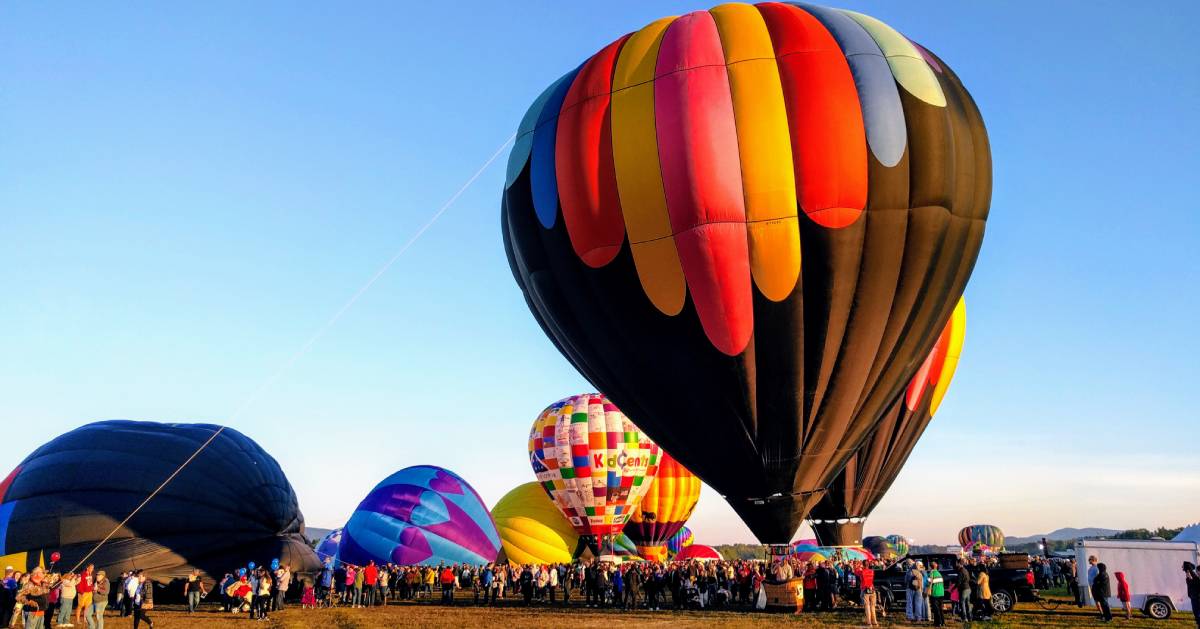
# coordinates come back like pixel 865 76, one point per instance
pixel 592 461
pixel 680 540
pixel 747 226
pixel 667 505
pixel 986 534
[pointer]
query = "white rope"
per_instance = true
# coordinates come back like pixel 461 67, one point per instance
pixel 362 290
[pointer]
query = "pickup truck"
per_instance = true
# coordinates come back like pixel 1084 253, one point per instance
pixel 1009 585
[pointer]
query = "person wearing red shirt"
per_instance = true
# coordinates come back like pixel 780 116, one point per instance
pixel 447 579
pixel 84 588
pixel 866 581
pixel 370 579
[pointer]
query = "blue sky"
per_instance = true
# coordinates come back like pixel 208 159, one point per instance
pixel 189 192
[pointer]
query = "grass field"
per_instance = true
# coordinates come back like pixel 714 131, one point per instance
pixel 515 616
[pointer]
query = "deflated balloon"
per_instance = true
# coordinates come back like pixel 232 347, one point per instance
pixel 532 529
pixel 747 227
pixel 838 519
pixel 231 503
pixel 420 515
pixel 592 462
pixel 663 510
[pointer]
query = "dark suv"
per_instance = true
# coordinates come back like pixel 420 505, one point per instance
pixel 1008 585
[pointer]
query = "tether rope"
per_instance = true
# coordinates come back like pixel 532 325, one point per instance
pixel 362 290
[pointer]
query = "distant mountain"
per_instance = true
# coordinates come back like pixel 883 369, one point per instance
pixel 1065 534
pixel 315 534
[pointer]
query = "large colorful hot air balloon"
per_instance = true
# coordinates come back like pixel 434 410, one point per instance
pixel 532 530
pixel 232 503
pixel 663 510
pixel 420 515
pixel 593 462
pixel 838 519
pixel 986 534
pixel 680 540
pixel 661 197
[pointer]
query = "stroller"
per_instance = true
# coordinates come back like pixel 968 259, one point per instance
pixel 691 597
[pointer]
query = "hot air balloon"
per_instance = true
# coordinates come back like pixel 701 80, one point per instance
pixel 231 503
pixel 899 543
pixel 663 510
pixel 593 463
pixel 328 546
pixel 622 549
pixel 698 552
pixel 420 515
pixel 680 540
pixel 986 534
pixel 532 530
pixel 880 547
pixel 660 199
pixel 838 518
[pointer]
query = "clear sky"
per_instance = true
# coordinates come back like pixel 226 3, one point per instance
pixel 189 192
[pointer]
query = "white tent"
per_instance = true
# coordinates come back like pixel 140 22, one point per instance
pixel 1189 534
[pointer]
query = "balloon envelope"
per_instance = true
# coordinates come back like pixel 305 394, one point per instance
pixel 663 510
pixel 899 543
pixel 698 551
pixel 531 528
pixel 880 547
pixel 987 534
pixel 420 515
pixel 661 197
pixel 327 548
pixel 592 461
pixel 680 540
pixel 229 504
pixel 839 517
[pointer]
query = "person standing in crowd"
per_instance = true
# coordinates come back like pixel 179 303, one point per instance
pixel 34 598
pixel 1072 577
pixel 262 595
pixel 633 587
pixel 936 592
pixel 283 580
pixel 553 587
pixel 1123 594
pixel 84 588
pixel 1091 579
pixel 95 612
pixel 914 580
pixel 193 588
pixel 8 596
pixel 1101 590
pixel 360 581
pixel 66 599
pixel 1192 579
pixel 965 591
pixel 370 579
pixel 447 580
pixel 983 591
pixel 129 585
pixel 326 580
pixel 866 581
pixel 526 585
pixel 143 599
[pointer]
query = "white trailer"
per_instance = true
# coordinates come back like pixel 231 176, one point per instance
pixel 1154 570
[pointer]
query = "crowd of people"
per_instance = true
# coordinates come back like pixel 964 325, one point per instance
pixel 44 598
